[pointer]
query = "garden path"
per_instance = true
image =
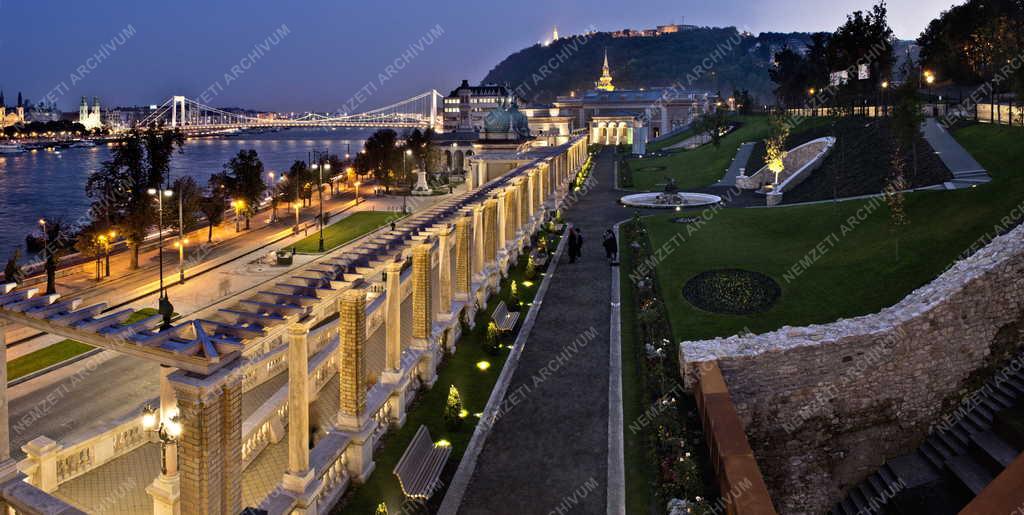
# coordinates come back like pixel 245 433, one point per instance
pixel 548 450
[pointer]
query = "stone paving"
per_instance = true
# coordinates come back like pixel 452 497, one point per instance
pixel 550 449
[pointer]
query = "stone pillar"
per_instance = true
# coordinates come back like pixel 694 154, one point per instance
pixel 8 467
pixel 210 446
pixel 478 239
pixel 531 196
pixel 298 475
pixel 352 358
pixel 463 259
pixel 422 294
pixel 393 325
pixel 490 231
pixel 502 219
pixel 470 176
pixel 481 170
pixel 522 200
pixel 166 488
pixel 444 271
pixel 352 415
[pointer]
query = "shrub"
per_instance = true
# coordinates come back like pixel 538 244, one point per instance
pixel 531 269
pixel 453 409
pixel 513 301
pixel 491 341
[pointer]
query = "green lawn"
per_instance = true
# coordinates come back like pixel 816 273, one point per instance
pixel 859 272
pixel 658 145
pixel 45 357
pixel 346 230
pixel 474 388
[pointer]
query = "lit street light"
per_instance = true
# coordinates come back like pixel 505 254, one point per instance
pixel 298 206
pixel 165 307
pixel 168 431
pixel 320 167
pixel 238 205
pixel 405 172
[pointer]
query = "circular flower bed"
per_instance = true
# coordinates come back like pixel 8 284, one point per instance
pixel 732 291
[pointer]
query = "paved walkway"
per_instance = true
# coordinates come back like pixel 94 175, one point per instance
pixel 967 172
pixel 549 448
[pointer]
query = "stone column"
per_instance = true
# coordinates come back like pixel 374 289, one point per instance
pixel 478 239
pixel 210 445
pixel 490 231
pixel 531 196
pixel 352 358
pixel 393 321
pixel 352 415
pixel 444 271
pixel 470 177
pixel 422 314
pixel 502 219
pixel 166 488
pixel 463 259
pixel 298 475
pixel 523 203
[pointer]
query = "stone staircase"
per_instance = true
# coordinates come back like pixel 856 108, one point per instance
pixel 951 467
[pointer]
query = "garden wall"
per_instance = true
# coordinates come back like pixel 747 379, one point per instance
pixel 824 405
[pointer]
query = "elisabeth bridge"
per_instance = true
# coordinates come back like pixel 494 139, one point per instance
pixel 420 111
pixel 341 344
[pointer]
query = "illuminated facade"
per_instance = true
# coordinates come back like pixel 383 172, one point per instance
pixel 605 82
pixel 13 117
pixel 90 118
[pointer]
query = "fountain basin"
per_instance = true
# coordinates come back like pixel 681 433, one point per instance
pixel 683 200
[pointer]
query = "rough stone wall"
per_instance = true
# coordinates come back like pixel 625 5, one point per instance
pixel 825 405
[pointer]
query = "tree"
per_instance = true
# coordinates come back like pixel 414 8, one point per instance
pixel 213 206
pixel 379 157
pixel 864 39
pixel 893 192
pixel 775 146
pixel 244 178
pixel 119 189
pixel 55 235
pixel 12 272
pixel 187 196
pixel 907 119
pixel 89 245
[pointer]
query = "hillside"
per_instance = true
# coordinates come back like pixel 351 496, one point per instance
pixel 648 62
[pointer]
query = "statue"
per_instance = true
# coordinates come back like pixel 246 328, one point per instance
pixel 670 185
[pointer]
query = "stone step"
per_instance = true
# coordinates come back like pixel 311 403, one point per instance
pixel 994 450
pixel 961 433
pixel 1006 390
pixel 1015 384
pixel 979 422
pixel 956 447
pixel 860 502
pixel 933 457
pixel 1005 401
pixel 974 476
pixel 984 412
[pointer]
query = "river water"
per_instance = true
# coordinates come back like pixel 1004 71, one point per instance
pixel 51 184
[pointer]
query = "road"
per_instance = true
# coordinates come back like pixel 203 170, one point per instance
pixel 92 394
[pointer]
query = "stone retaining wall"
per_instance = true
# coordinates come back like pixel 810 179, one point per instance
pixel 824 405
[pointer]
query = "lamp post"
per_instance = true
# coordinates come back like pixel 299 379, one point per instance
pixel 168 431
pixel 165 307
pixel 298 206
pixel 357 184
pixel 180 245
pixel 238 205
pixel 320 167
pixel 930 78
pixel 273 196
pixel 885 100
pixel 405 172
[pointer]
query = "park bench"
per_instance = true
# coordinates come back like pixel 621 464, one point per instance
pixel 503 318
pixel 419 469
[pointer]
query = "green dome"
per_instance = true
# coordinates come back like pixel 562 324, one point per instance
pixel 507 118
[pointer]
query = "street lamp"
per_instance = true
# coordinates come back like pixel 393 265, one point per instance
pixel 165 307
pixel 405 172
pixel 180 245
pixel 885 100
pixel 358 183
pixel 238 205
pixel 320 167
pixel 298 206
pixel 168 432
pixel 930 79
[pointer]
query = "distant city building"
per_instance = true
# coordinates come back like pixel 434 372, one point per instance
pixel 605 82
pixel 466 107
pixel 630 117
pixel 124 118
pixel 90 118
pixel 12 117
pixel 42 112
pixel 661 30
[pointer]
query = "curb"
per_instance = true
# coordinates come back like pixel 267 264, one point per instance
pixel 453 498
pixel 61 364
pixel 616 496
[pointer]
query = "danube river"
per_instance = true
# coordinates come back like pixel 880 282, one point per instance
pixel 51 184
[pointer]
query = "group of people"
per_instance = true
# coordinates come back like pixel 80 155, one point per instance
pixel 610 243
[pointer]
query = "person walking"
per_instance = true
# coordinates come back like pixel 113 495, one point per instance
pixel 611 247
pixel 574 245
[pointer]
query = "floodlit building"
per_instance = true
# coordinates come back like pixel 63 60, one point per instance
pixel 90 118
pixel 14 116
pixel 466 106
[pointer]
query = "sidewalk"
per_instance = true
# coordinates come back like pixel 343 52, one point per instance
pixel 550 443
pixel 967 172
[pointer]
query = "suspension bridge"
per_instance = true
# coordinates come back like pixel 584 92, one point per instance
pixel 422 111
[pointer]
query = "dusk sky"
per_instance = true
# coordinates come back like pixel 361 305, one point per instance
pixel 334 48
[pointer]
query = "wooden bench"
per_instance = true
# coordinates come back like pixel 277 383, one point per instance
pixel 503 318
pixel 419 469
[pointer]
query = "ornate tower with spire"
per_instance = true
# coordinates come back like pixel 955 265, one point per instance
pixel 554 34
pixel 605 82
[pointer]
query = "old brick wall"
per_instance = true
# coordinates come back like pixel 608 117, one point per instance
pixel 825 405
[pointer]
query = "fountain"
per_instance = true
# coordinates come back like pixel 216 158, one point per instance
pixel 670 198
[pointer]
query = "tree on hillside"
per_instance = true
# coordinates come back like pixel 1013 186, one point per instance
pixel 970 42
pixel 713 124
pixel 894 197
pixel 244 181
pixel 119 189
pixel 775 146
pixel 906 120
pixel 865 38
